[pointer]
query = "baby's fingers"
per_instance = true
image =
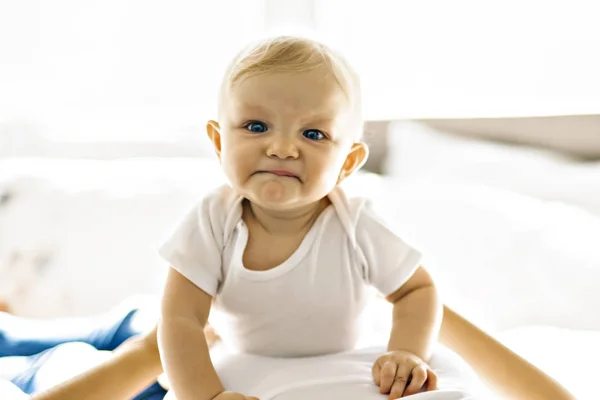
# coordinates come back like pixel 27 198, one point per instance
pixel 418 376
pixel 400 381
pixel 432 380
pixel 387 376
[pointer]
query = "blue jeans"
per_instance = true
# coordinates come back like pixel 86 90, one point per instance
pixel 38 339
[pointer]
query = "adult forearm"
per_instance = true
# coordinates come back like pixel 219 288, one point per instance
pixel 416 322
pixel 127 372
pixel 501 369
pixel 186 360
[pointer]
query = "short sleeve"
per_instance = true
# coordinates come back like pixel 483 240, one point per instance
pixel 195 248
pixel 388 262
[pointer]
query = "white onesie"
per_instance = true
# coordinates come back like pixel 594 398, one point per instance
pixel 308 305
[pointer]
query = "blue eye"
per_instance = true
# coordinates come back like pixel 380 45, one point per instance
pixel 313 134
pixel 256 127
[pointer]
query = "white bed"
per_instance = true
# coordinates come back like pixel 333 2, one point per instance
pixel 525 267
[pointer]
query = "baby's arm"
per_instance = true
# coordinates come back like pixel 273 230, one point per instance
pixel 183 347
pixel 417 315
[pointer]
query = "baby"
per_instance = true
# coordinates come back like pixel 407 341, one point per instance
pixel 282 251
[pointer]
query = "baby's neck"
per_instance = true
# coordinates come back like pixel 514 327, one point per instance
pixel 287 222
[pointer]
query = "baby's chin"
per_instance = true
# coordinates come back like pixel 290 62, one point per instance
pixel 276 194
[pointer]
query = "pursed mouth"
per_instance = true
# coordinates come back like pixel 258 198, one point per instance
pixel 280 173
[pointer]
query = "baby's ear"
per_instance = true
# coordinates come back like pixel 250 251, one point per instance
pixel 214 134
pixel 355 159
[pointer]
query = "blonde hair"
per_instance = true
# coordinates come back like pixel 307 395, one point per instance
pixel 290 54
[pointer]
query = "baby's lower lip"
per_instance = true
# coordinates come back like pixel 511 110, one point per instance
pixel 284 174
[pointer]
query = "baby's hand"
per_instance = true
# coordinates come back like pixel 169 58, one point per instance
pixel 233 396
pixel 401 373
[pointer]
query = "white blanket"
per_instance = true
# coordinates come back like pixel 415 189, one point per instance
pixel 10 391
pixel 339 376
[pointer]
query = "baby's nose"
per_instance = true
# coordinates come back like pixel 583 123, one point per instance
pixel 282 148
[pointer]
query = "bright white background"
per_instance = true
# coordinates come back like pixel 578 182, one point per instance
pixel 466 58
pixel 130 77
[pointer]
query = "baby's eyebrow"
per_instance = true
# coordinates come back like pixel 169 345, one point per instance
pixel 323 120
pixel 312 119
pixel 319 120
pixel 254 108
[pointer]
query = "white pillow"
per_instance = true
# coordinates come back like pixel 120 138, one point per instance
pixel 416 149
pixel 501 258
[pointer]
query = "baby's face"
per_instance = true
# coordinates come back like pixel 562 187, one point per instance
pixel 286 139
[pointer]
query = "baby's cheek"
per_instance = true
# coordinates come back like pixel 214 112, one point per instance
pixel 232 170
